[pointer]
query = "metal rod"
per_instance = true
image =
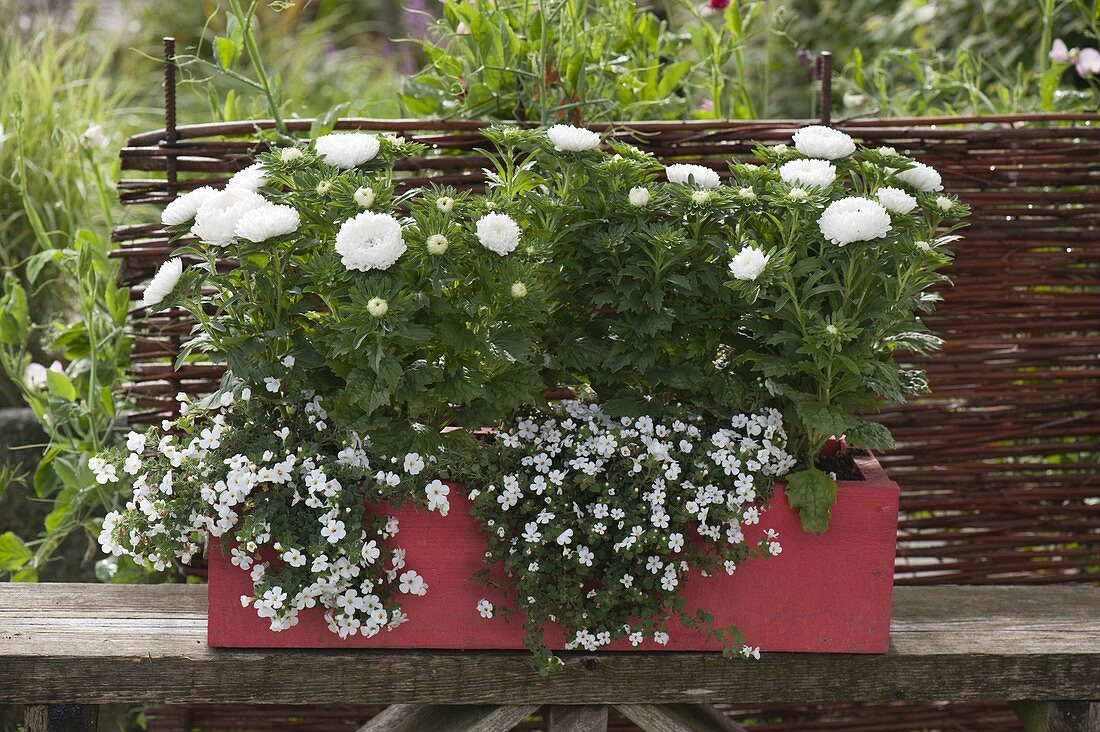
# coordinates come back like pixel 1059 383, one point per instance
pixel 170 134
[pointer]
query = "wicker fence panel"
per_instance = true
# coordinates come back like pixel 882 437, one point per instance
pixel 998 465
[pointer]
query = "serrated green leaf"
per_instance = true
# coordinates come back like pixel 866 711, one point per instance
pixel 813 492
pixel 14 554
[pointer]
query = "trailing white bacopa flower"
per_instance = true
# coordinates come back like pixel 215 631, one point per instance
pixel 896 200
pixel 184 208
pixel 267 222
pixel 818 141
pixel 567 138
pixel 853 219
pixel 217 217
pixel 250 179
pixel 498 233
pixel 922 177
pixel 347 149
pixel 749 263
pixel 687 173
pixel 808 172
pixel 370 241
pixel 163 282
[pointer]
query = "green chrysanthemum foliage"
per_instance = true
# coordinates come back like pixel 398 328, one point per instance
pixel 396 306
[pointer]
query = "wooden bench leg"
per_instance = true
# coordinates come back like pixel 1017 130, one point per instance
pixel 678 718
pixel 453 717
pixel 575 718
pixel 61 717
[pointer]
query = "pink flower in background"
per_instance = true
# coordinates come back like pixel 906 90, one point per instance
pixel 1088 62
pixel 1059 53
pixel 719 4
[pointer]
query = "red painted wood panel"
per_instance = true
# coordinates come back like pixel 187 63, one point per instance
pixel 827 593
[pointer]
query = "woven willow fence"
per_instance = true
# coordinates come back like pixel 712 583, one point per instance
pixel 998 465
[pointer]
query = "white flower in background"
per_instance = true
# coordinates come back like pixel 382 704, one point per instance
pixel 498 233
pixel 347 149
pixel 412 584
pixel 217 217
pixel 437 244
pixel 676 542
pixel 184 208
pixel 267 222
pixel 922 177
pixel 808 172
pixel 485 608
pixel 750 652
pixel 749 263
pixel 132 464
pixel 377 307
pixel 364 197
pixel 567 138
pixel 687 173
pixel 896 200
pixel 413 463
pixel 273 385
pixel 437 493
pixel 92 137
pixel 519 290
pixel 854 219
pixel 294 557
pixel 334 531
pixel 565 538
pixel 34 376
pixel 445 203
pixel 370 241
pixel 135 441
pixel 163 282
pixel 818 141
pixel 250 179
pixel 661 638
pixel 639 196
pixel 290 154
pixel 943 203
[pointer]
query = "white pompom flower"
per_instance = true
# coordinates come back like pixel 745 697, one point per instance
pixel 267 222
pixel 370 241
pixel 749 263
pixel 567 138
pixel 250 179
pixel 854 219
pixel 687 173
pixel 347 149
pixel 216 220
pixel 498 233
pixel 896 200
pixel 819 141
pixel 163 282
pixel 922 177
pixel 808 172
pixel 184 208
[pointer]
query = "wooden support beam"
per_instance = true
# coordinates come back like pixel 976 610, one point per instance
pixel 61 717
pixel 451 717
pixel 678 718
pixel 575 718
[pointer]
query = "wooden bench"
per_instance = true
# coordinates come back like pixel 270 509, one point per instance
pixel 66 648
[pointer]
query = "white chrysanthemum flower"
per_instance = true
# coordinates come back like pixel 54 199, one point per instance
pixel 268 221
pixel 808 172
pixel 323 187
pixel 943 203
pixel 216 220
pixel 347 149
pixel 184 208
pixel 370 241
pixel 163 282
pixel 700 197
pixel 687 173
pixel 519 290
pixel 437 244
pixel 896 200
pixel 853 219
pixel 798 194
pixel 749 263
pixel 747 193
pixel 250 179
pixel 364 197
pixel 290 154
pixel 818 141
pixel 498 233
pixel 445 203
pixel 639 196
pixel 567 138
pixel 922 177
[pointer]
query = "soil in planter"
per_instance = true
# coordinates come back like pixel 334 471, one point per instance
pixel 841 464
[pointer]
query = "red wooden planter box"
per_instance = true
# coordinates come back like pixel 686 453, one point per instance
pixel 824 593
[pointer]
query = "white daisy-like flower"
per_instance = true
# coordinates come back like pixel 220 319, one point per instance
pixel 639 196
pixel 498 233
pixel 437 244
pixel 818 141
pixel 687 173
pixel 519 290
pixel 896 200
pixel 163 282
pixel 364 197
pixel 184 208
pixel 347 149
pixel 370 241
pixel 922 177
pixel 250 179
pixel 267 222
pixel 854 219
pixel 808 172
pixel 749 263
pixel 377 307
pixel 567 138
pixel 217 217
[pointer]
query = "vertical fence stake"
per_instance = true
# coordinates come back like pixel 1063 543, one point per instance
pixel 825 72
pixel 170 135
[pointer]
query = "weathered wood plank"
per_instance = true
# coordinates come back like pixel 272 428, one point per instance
pixel 582 718
pixel 61 718
pixel 430 717
pixel 678 718
pixel 973 643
